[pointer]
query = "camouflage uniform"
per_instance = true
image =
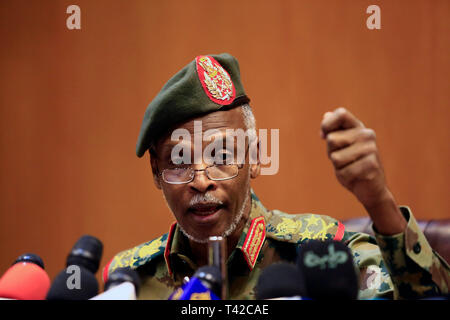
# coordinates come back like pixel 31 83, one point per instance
pixel 406 266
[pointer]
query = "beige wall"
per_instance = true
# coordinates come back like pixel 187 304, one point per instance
pixel 71 105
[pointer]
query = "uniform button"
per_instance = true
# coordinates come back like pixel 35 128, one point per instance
pixel 417 248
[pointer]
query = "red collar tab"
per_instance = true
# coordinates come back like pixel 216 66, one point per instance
pixel 169 246
pixel 340 232
pixel 253 242
pixel 215 80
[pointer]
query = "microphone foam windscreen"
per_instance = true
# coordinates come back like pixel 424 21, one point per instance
pixel 328 270
pixel 279 280
pixel 211 277
pixel 73 283
pixel 24 281
pixel 86 252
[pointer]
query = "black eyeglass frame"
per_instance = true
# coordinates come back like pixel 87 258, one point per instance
pixel 193 171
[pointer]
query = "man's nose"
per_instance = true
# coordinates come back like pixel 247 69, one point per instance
pixel 201 182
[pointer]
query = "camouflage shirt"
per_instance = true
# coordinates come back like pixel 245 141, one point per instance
pixel 404 264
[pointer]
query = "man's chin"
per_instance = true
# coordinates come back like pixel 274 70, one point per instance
pixel 196 237
pixel 202 237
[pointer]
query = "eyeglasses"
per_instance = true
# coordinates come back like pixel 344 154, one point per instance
pixel 215 172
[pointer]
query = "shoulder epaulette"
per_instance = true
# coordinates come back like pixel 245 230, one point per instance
pixel 296 228
pixel 137 256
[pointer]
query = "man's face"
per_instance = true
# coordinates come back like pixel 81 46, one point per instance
pixel 204 207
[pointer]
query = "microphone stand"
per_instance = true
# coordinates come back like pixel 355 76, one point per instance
pixel 217 249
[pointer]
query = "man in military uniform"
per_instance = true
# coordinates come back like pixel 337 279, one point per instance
pixel 217 199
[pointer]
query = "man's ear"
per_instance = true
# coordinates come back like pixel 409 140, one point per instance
pixel 154 166
pixel 255 168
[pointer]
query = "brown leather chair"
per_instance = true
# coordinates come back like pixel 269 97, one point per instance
pixel 437 232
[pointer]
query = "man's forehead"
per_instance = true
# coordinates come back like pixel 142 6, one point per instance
pixel 221 119
pixel 218 121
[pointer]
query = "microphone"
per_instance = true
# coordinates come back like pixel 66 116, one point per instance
pixel 328 270
pixel 206 284
pixel 86 252
pixel 217 250
pixel 25 279
pixel 210 281
pixel 280 281
pixel 122 284
pixel 77 281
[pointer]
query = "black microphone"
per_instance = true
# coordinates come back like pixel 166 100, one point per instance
pixel 86 252
pixel 121 275
pixel 77 281
pixel 280 281
pixel 328 270
pixel 206 284
pixel 122 284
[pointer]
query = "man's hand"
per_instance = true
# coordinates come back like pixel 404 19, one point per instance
pixel 353 151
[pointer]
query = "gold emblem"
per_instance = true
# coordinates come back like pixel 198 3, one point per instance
pixel 288 227
pixel 322 234
pixel 123 260
pixel 151 248
pixel 317 228
pixel 216 79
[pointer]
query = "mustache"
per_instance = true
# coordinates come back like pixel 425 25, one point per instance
pixel 204 198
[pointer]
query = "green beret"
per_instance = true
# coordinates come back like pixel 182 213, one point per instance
pixel 208 83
